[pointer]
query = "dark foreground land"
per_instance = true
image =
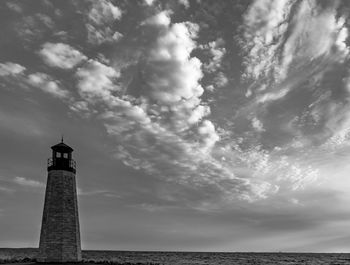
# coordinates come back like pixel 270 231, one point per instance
pixel 27 257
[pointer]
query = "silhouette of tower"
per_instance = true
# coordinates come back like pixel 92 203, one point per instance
pixel 60 234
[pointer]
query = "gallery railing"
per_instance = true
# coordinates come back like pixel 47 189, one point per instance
pixel 61 164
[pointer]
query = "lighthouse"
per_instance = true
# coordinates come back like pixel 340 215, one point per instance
pixel 60 234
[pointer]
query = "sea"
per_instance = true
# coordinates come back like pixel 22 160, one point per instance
pixel 190 258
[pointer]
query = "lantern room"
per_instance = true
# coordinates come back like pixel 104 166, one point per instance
pixel 61 158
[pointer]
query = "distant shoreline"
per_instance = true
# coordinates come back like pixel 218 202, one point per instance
pixel 27 256
pixel 177 251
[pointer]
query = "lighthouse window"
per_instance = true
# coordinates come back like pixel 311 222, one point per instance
pixel 65 155
pixel 58 155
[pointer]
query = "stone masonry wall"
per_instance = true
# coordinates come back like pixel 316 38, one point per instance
pixel 60 234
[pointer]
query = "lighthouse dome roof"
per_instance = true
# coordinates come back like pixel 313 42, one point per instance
pixel 62 147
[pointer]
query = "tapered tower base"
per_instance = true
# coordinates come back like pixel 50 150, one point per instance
pixel 60 236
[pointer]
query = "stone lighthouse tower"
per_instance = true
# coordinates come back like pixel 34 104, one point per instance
pixel 60 234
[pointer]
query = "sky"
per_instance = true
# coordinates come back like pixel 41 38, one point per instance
pixel 196 125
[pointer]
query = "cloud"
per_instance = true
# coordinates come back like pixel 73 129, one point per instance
pixel 149 2
pixel 47 84
pixel 96 81
pixel 163 126
pixel 28 182
pixel 217 52
pixel 10 68
pixel 32 28
pixel 185 3
pixel 295 55
pixel 160 19
pixel 14 7
pixel 5 190
pixel 220 80
pixel 104 11
pixel 265 24
pixel 61 55
pixel 280 37
pixel 255 163
pixel 208 133
pixel 257 125
pixel 166 130
pixel 170 73
pixel 80 106
pixel 101 16
pixel 276 169
pixel 106 193
pixel 117 36
pixel 312 41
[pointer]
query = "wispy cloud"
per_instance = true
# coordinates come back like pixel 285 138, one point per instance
pixel 6 190
pixel 14 7
pixel 28 182
pixel 265 25
pixel 165 130
pixel 106 193
pixel 280 37
pixel 10 68
pixel 292 51
pixel 165 124
pixel 170 139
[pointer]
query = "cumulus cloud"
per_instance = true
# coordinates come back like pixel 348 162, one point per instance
pixel 185 3
pixel 213 67
pixel 174 140
pixel 47 84
pixel 208 133
pixel 149 2
pixel 166 128
pixel 170 72
pixel 160 19
pixel 217 52
pixel 10 68
pixel 220 80
pixel 61 55
pixel 96 81
pixel 104 11
pixel 257 124
pixel 117 36
pixel 166 131
pixel 101 16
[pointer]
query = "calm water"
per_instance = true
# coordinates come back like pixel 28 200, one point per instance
pixel 190 258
